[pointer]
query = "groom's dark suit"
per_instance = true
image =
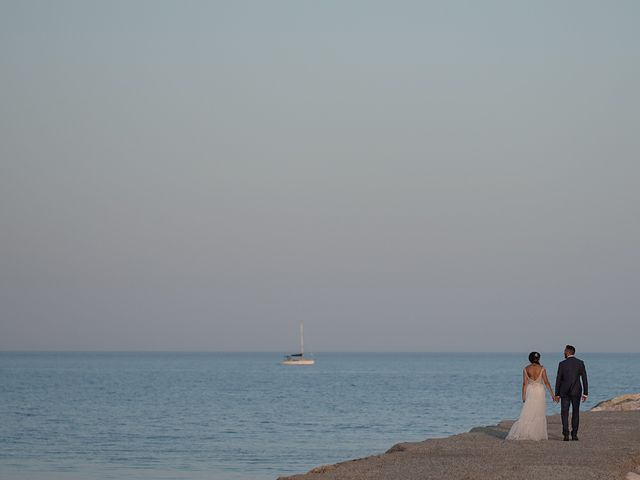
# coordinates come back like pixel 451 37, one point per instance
pixel 569 389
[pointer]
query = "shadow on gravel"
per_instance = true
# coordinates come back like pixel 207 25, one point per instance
pixel 491 431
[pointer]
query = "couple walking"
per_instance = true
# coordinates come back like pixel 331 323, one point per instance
pixel 571 378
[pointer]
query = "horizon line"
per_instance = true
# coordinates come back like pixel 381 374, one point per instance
pixel 279 352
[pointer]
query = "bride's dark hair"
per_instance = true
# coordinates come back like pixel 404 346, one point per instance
pixel 534 357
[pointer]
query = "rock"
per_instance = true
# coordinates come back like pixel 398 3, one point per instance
pixel 623 403
pixel 322 469
pixel 398 447
pixel 316 470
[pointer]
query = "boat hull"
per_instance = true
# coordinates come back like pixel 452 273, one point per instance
pixel 304 361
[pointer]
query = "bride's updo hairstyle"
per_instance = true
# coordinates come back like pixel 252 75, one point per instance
pixel 534 357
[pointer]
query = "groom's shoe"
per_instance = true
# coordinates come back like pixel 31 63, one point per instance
pixel 566 437
pixel 574 437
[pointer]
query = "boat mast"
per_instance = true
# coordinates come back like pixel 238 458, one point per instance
pixel 301 337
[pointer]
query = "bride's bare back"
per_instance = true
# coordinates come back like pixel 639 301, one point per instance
pixel 535 372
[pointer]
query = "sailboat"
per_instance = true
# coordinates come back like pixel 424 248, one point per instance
pixel 298 358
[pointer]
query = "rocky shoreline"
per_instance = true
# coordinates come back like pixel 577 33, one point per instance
pixel 623 403
pixel 609 448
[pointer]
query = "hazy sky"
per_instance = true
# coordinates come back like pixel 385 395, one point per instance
pixel 401 175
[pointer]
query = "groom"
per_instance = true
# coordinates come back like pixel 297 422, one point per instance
pixel 569 388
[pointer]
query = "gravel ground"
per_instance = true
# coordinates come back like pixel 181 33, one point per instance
pixel 609 448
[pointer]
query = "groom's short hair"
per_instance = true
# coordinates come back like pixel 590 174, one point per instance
pixel 570 348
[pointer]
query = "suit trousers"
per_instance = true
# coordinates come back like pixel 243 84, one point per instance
pixel 575 414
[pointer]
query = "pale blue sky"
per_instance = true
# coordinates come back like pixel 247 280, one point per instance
pixel 401 175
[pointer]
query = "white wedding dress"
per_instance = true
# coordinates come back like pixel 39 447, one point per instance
pixel 532 424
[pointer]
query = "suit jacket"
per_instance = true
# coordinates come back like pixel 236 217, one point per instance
pixel 570 371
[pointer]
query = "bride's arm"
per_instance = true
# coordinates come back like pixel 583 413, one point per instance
pixel 546 382
pixel 524 385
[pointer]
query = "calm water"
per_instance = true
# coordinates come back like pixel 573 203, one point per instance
pixel 231 416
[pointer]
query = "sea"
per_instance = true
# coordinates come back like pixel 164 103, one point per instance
pixel 230 416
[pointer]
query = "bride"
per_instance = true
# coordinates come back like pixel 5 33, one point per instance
pixel 532 424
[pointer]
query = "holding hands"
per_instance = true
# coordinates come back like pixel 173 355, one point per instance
pixel 556 398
